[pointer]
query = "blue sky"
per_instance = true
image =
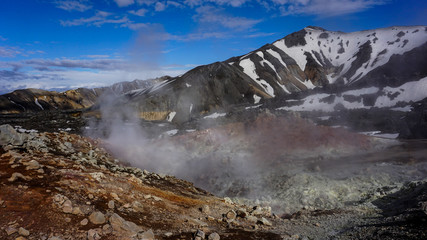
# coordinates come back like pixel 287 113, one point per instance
pixel 63 44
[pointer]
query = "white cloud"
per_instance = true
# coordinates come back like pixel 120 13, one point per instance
pixel 233 3
pixel 69 77
pixel 141 12
pixel 160 7
pixel 124 3
pixel 99 19
pixel 211 15
pixel 146 2
pixel 73 5
pixel 324 8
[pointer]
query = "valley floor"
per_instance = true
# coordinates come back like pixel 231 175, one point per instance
pixel 64 186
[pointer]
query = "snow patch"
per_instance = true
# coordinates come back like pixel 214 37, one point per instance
pixel 170 116
pixel 215 115
pixel 256 98
pixel 249 69
pixel 38 104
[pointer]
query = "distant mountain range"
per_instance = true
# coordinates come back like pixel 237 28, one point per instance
pixel 312 69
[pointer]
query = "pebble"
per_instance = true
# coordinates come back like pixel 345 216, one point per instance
pixel 241 213
pixel 84 222
pixel 93 234
pixel 97 218
pixel 214 236
pixel 199 235
pixel 264 221
pixel 67 219
pixel 11 230
pixel 115 196
pixel 147 235
pixel 111 204
pixel 23 232
pixel 32 165
pixel 231 215
pixel 15 176
pixel 67 207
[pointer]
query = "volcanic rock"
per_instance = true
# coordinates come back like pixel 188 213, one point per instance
pixel 97 218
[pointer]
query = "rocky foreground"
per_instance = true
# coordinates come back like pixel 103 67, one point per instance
pixel 65 186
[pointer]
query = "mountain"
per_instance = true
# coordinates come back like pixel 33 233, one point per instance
pixel 34 100
pixel 312 69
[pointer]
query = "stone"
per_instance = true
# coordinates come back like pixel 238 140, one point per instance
pixel 147 235
pixel 228 200
pixel 121 225
pixel 97 218
pixel 11 230
pixel 115 196
pixel 84 222
pixel 252 219
pixel 32 165
pixel 264 221
pixel 15 176
pixel 242 213
pixel 77 211
pixel 199 235
pixel 8 135
pixel 93 234
pixel 168 234
pixel 67 207
pixel 205 209
pixel 20 238
pixel 54 238
pixel 67 219
pixel 111 204
pixel 106 229
pixel 23 232
pixel 214 236
pixel 231 215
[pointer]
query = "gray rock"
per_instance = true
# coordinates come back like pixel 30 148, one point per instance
pixel 242 213
pixel 199 235
pixel 97 218
pixel 15 176
pixel 264 221
pixel 8 135
pixel 231 215
pixel 84 222
pixel 32 165
pixel 121 225
pixel 23 232
pixel 54 238
pixel 67 207
pixel 214 236
pixel 94 234
pixel 11 230
pixel 111 204
pixel 147 235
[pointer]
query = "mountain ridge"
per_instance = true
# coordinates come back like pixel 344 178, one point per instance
pixel 312 58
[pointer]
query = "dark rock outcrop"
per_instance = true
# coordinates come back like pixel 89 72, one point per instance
pixel 415 122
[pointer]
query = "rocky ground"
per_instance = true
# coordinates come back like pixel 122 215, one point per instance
pixel 58 185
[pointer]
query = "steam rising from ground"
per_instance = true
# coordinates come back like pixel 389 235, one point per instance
pixel 288 164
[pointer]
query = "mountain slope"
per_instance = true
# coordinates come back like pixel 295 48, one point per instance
pixel 376 62
pixel 34 100
pixel 352 70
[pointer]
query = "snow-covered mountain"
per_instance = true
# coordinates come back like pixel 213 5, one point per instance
pixel 312 69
